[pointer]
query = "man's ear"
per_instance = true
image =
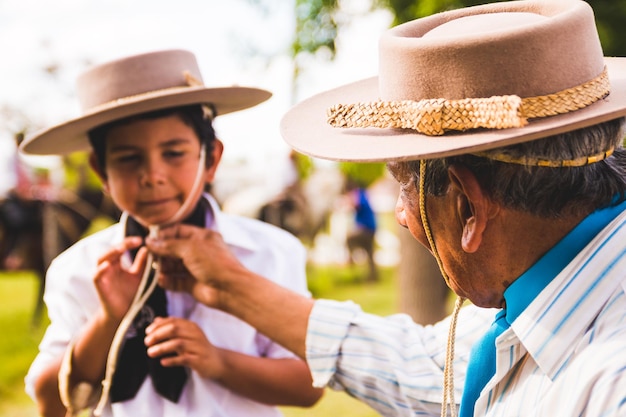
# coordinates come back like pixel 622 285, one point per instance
pixel 100 172
pixel 473 206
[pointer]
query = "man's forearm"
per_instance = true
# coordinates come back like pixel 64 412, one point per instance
pixel 279 313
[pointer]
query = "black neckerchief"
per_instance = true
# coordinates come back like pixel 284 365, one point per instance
pixel 133 363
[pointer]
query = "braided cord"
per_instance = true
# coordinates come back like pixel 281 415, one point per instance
pixel 425 225
pixel 448 371
pixel 540 162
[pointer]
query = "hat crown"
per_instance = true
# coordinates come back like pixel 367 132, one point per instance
pixel 468 80
pixel 135 85
pixel 135 75
pixel 549 46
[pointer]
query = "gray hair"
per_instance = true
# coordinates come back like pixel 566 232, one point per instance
pixel 545 191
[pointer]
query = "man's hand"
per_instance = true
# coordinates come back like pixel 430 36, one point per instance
pixel 216 278
pixel 194 260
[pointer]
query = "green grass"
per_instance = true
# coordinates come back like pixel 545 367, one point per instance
pixel 343 283
pixel 18 345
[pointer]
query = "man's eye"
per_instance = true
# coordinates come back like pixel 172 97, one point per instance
pixel 406 186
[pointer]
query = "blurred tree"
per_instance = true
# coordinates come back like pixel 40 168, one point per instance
pixel 316 26
pixel 317 20
pixel 610 17
pixel 364 174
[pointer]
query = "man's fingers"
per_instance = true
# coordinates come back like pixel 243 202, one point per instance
pixel 177 282
pixel 178 231
pixel 164 247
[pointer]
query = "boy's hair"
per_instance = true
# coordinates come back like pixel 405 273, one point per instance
pixel 193 115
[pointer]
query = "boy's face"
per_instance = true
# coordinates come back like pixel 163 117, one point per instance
pixel 151 166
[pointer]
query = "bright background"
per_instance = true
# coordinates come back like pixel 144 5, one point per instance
pixel 45 44
pixel 235 41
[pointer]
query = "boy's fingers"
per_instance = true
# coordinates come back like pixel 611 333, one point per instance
pixel 117 250
pixel 140 261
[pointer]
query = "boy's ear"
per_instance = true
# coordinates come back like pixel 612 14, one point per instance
pixel 216 156
pixel 100 172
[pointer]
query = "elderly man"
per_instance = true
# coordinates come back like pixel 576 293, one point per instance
pixel 503 125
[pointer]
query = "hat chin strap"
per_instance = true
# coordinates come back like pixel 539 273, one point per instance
pixel 448 371
pixel 144 290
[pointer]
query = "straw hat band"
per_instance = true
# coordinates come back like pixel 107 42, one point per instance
pixel 434 117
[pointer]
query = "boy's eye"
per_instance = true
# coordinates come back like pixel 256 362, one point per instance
pixel 171 153
pixel 127 158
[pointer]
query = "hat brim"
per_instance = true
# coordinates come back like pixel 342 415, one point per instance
pixel 71 136
pixel 304 127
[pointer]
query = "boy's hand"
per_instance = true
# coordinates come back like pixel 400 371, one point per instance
pixel 181 342
pixel 116 282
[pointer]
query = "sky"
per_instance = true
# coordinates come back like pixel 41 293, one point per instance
pixel 234 42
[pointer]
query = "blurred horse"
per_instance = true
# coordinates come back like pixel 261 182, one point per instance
pixel 35 231
pixel 302 208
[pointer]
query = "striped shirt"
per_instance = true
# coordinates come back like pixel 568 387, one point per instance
pixel 565 355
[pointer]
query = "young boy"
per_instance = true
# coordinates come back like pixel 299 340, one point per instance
pixel 147 120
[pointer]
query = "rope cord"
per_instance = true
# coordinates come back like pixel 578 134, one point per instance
pixel 448 371
pixel 542 162
pixel 425 225
pixel 143 293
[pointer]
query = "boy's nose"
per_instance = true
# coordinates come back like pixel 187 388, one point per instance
pixel 152 173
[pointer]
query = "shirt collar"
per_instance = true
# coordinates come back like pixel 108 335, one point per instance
pixel 526 288
pixel 232 232
pixel 551 314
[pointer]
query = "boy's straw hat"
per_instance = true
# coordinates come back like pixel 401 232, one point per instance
pixel 468 80
pixel 134 85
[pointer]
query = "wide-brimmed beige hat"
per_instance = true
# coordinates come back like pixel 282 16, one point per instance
pixel 134 85
pixel 465 81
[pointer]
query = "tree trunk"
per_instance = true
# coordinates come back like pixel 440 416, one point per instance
pixel 424 294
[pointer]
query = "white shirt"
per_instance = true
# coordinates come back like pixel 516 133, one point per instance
pixel 565 355
pixel 72 300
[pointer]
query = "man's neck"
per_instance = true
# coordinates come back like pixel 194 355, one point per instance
pixel 517 241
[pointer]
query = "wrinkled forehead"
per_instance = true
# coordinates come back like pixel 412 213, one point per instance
pixel 402 171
